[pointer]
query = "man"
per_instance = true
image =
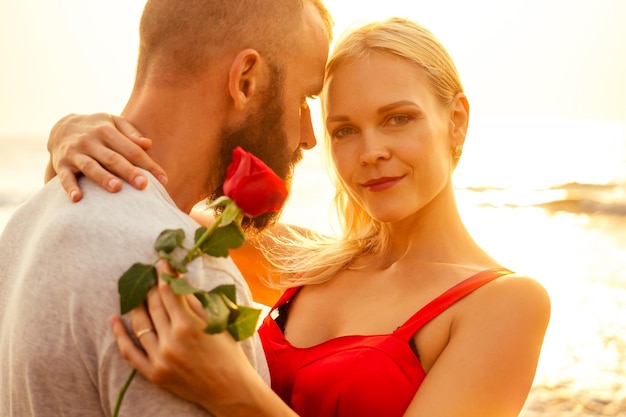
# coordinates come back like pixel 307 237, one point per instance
pixel 211 75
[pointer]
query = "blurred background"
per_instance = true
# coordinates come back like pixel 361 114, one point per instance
pixel 541 184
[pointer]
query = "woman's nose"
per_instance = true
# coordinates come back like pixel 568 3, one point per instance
pixel 374 148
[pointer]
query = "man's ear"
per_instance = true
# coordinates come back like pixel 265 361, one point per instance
pixel 244 77
pixel 459 119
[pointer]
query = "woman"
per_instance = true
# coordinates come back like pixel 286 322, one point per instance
pixel 405 314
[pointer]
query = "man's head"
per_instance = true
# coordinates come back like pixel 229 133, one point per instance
pixel 267 57
pixel 180 38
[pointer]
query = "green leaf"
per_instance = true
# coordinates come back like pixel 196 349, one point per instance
pixel 224 238
pixel 229 296
pixel 134 285
pixel 231 213
pixel 228 290
pixel 220 201
pixel 217 313
pixel 176 265
pixel 180 285
pixel 234 309
pixel 204 299
pixel 199 232
pixel 169 240
pixel 245 324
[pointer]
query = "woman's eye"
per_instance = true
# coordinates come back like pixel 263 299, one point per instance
pixel 399 119
pixel 343 132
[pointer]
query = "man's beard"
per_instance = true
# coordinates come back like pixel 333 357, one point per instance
pixel 264 136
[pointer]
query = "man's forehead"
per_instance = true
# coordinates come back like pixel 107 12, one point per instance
pixel 309 71
pixel 314 47
pixel 313 18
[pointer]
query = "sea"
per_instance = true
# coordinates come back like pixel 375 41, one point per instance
pixel 547 198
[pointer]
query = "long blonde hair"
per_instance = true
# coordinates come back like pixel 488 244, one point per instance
pixel 308 258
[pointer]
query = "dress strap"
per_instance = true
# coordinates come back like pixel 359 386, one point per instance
pixel 287 295
pixel 447 299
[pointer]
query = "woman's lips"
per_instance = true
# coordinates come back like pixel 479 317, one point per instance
pixel 380 184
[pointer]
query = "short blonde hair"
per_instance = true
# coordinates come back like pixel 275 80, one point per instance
pixel 179 38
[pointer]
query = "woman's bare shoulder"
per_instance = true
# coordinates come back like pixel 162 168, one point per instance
pixel 513 297
pixel 521 287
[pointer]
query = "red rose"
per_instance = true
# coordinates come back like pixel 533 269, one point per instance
pixel 252 185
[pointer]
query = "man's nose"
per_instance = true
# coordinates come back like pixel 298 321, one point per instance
pixel 307 133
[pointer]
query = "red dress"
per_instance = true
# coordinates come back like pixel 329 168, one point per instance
pixel 356 375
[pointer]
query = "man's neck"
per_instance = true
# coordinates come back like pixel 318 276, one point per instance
pixel 184 142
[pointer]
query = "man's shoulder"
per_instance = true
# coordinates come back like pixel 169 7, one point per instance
pixel 149 204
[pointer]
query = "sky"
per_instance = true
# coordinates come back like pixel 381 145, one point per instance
pixel 518 59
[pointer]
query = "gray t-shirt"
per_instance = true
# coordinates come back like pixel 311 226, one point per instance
pixel 59 266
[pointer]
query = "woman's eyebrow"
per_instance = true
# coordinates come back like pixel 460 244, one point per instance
pixel 392 106
pixel 337 119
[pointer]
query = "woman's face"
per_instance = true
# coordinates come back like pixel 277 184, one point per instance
pixel 390 137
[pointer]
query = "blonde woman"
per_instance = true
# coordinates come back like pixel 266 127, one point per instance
pixel 405 314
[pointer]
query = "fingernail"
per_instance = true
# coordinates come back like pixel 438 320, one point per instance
pixel 74 196
pixel 113 184
pixel 139 181
pixel 162 179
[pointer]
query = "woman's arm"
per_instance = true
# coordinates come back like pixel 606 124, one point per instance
pixel 488 366
pixel 105 148
pixel 210 370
